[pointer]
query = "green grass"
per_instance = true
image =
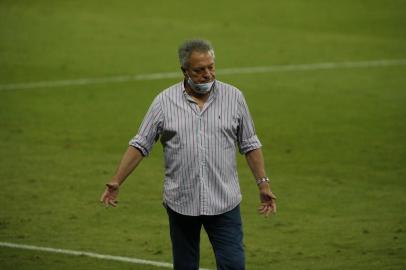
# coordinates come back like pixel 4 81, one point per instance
pixel 334 140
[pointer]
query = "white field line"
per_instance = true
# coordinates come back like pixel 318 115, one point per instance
pixel 89 254
pixel 225 71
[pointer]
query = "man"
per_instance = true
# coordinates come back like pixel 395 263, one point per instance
pixel 201 122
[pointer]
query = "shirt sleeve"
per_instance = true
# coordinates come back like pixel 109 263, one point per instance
pixel 150 129
pixel 246 137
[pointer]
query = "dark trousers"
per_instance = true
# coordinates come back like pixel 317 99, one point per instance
pixel 225 234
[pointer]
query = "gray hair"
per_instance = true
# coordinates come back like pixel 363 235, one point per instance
pixel 193 45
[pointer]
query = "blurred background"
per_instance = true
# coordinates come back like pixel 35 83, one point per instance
pixel 325 82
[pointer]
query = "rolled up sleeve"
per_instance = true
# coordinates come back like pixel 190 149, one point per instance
pixel 246 136
pixel 150 129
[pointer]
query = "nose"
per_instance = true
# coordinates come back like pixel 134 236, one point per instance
pixel 207 73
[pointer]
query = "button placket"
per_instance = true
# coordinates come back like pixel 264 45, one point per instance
pixel 202 162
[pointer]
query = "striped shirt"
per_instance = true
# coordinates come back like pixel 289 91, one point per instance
pixel 199 147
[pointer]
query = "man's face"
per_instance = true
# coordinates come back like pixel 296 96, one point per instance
pixel 201 67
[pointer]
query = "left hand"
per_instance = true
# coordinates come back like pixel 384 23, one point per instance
pixel 109 196
pixel 268 200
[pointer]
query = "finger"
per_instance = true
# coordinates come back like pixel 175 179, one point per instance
pixel 108 198
pixel 113 203
pixel 106 201
pixel 268 211
pixel 263 210
pixel 103 196
pixel 271 203
pixel 262 207
pixel 266 204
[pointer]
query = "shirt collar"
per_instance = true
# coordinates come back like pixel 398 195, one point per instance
pixel 212 95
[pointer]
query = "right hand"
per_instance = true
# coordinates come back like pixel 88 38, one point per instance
pixel 109 196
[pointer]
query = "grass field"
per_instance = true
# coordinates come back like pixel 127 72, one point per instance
pixel 334 139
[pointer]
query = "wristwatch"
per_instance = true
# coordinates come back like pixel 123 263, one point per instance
pixel 261 180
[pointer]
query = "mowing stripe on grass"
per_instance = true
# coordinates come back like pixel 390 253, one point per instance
pixel 225 71
pixel 89 254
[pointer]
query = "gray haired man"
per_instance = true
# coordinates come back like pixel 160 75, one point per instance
pixel 200 122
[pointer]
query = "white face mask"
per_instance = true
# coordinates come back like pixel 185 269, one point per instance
pixel 200 88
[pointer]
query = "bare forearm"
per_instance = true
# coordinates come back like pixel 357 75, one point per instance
pixel 132 157
pixel 255 161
